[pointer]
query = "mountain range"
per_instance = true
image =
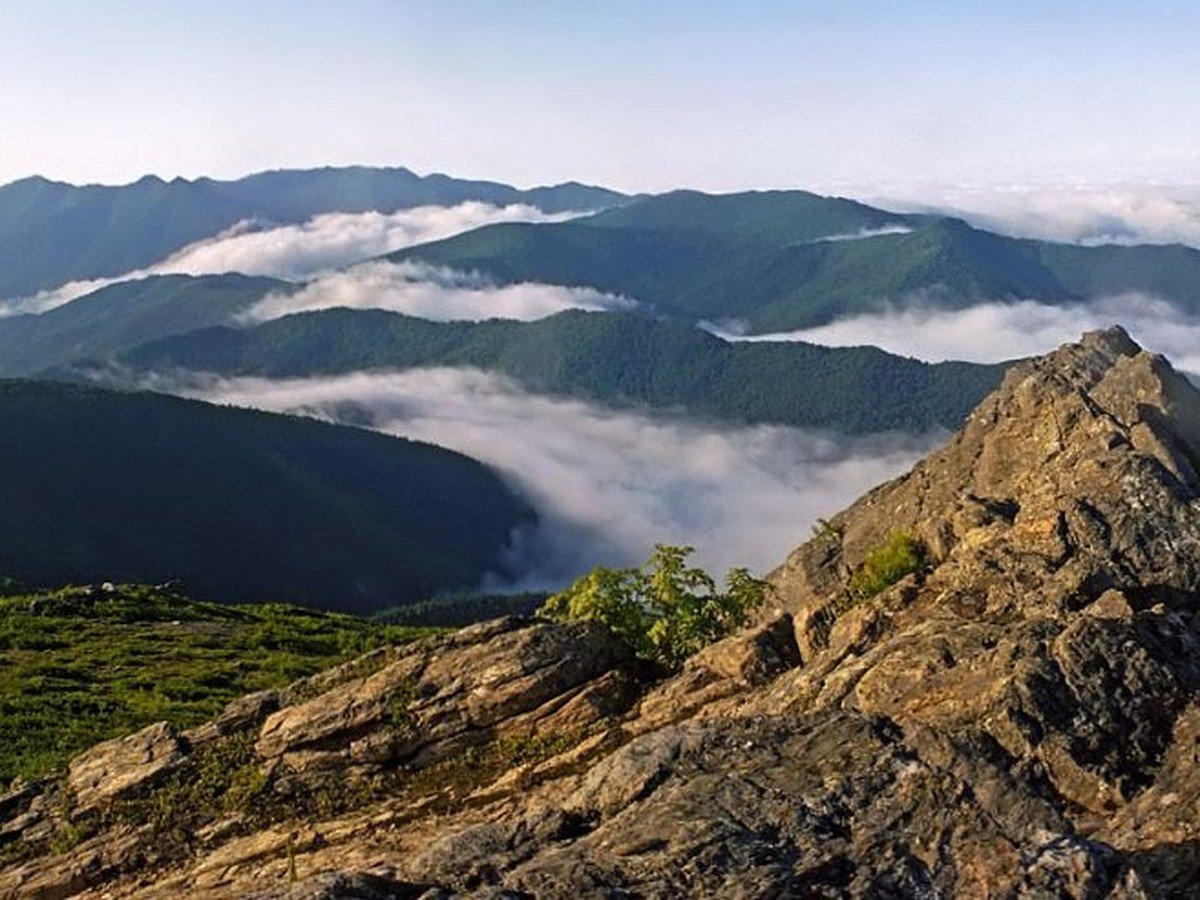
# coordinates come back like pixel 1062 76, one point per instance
pixel 764 260
pixel 52 233
pixel 787 260
pixel 628 360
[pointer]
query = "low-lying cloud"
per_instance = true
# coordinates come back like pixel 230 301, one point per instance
pixel 299 252
pixel 334 240
pixel 992 332
pixel 864 233
pixel 607 484
pixel 1078 213
pixel 431 292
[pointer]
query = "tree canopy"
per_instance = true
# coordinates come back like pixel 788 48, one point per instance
pixel 665 609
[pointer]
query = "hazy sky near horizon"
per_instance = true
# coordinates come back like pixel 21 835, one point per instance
pixel 853 95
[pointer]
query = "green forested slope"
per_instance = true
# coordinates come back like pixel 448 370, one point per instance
pixel 765 259
pixel 239 505
pixel 621 358
pixel 124 315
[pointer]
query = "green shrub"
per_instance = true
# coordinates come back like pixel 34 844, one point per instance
pixel 886 564
pixel 665 609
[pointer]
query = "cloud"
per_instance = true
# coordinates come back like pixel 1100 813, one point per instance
pixel 432 292
pixel 299 252
pixel 607 485
pixel 1071 213
pixel 863 233
pixel 334 240
pixel 992 332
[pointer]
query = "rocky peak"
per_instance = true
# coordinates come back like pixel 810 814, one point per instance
pixel 1075 476
pixel 1015 714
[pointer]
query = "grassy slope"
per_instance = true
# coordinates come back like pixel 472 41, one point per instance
pixel 624 359
pixel 97 485
pixel 79 666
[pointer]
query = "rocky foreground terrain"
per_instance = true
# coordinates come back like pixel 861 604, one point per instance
pixel 1021 717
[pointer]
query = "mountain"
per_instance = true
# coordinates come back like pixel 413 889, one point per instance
pixel 244 506
pixel 52 233
pixel 785 260
pixel 124 315
pixel 1013 712
pixel 618 358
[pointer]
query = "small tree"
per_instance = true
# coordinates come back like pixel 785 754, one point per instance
pixel 665 609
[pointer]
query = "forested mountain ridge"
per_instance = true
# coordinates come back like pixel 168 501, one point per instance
pixel 238 505
pixel 52 233
pixel 785 260
pixel 627 359
pixel 124 315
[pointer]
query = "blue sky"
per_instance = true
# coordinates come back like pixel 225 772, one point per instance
pixel 641 96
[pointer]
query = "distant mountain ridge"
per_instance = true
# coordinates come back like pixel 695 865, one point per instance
pixel 786 260
pixel 624 359
pixel 125 314
pixel 52 233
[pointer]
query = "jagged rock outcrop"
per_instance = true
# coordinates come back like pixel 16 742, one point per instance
pixel 1018 716
pixel 1057 615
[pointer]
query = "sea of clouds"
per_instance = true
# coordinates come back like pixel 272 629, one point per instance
pixel 304 251
pixel 1079 213
pixel 607 484
pixel 431 292
pixel 993 332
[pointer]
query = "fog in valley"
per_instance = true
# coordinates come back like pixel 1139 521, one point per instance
pixel 992 332
pixel 607 484
pixel 431 292
pixel 300 252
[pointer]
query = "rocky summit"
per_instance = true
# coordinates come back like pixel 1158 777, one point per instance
pixel 1018 715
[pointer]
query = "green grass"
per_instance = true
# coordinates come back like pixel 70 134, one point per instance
pixel 902 554
pixel 79 666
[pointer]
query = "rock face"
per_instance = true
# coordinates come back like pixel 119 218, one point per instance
pixel 1018 717
pixel 122 765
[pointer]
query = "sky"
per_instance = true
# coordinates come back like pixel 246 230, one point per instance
pixel 855 95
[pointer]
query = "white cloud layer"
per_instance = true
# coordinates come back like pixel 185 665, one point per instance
pixel 334 240
pixel 607 485
pixel 431 292
pixel 299 252
pixel 864 233
pixel 992 332
pixel 1071 213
